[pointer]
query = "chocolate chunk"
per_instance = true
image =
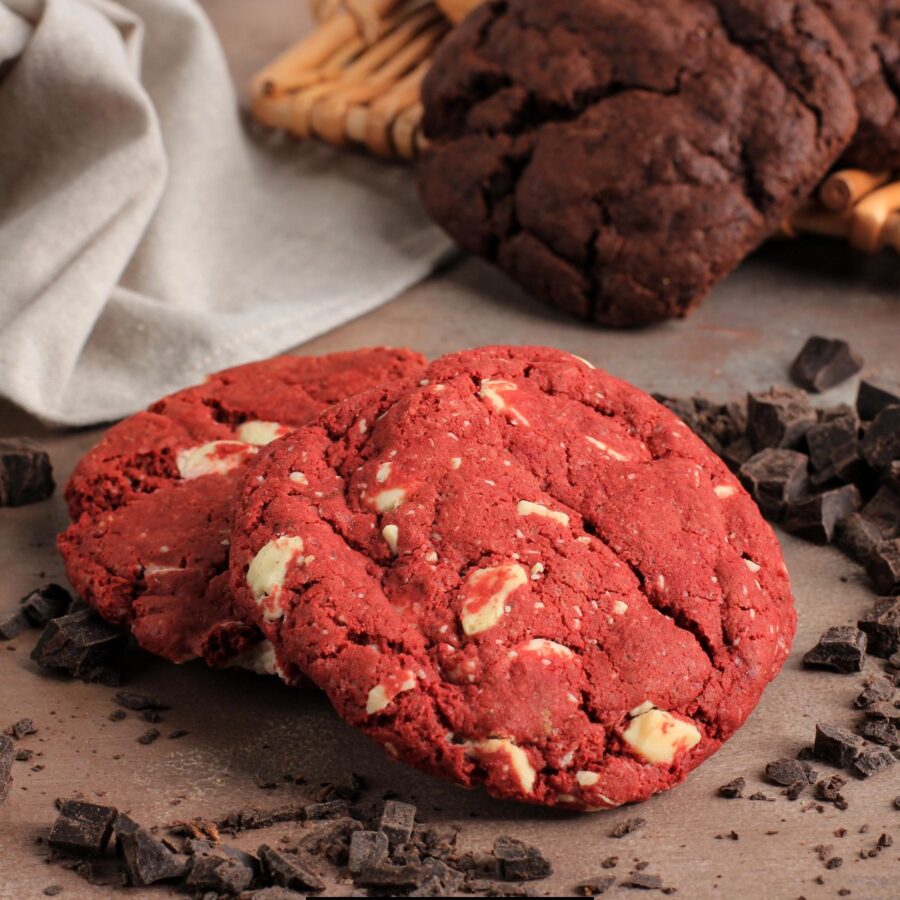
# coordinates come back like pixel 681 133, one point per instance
pixel 718 425
pixel 439 879
pixel 836 745
pixel 50 601
pixel 12 624
pixel 367 849
pixel 152 716
pixel 21 729
pixel 774 478
pixel 25 473
pixel 833 445
pixel 23 755
pixel 829 790
pixel 788 772
pixel 388 876
pixel 135 701
pixel 627 827
pixel 289 870
pixel 519 861
pixel 882 627
pixel 397 821
pixel 593 887
pixel 883 511
pixel 149 736
pixel 52 890
pixel 7 756
pixel 877 688
pixel 734 789
pixel 858 537
pixel 148 860
pixel 82 827
pixel 886 712
pixel 872 759
pixel 642 881
pixel 881 442
pixel 883 567
pixel 79 644
pixel 796 789
pixel 815 518
pixel 842 648
pixel 737 453
pixel 331 809
pixel 220 873
pixel 874 395
pixel 823 363
pixel 880 731
pixel 779 417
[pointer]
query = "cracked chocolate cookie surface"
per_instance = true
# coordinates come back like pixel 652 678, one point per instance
pixel 522 573
pixel 618 159
pixel 151 504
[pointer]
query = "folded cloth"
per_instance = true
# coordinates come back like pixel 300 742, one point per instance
pixel 145 238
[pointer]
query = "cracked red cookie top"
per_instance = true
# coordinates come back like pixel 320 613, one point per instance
pixel 617 158
pixel 151 504
pixel 520 572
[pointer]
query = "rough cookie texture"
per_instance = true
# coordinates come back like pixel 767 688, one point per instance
pixel 871 30
pixel 619 158
pixel 523 573
pixel 151 503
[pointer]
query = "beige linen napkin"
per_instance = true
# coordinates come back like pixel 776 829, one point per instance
pixel 145 238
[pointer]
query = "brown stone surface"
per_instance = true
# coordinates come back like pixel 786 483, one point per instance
pixel 744 338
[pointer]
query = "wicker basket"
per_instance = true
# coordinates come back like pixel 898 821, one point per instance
pixel 355 82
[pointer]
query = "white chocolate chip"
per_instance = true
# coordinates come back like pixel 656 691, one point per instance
pixel 587 779
pixel 493 392
pixel 583 360
pixel 261 433
pixel 383 473
pixel 381 695
pixel 389 500
pixel 298 478
pixel 527 508
pixel 543 647
pixel 214 458
pixel 258 658
pixel 620 607
pixel 752 566
pixel 455 462
pixel 268 569
pixel 391 533
pixel 486 592
pixel 605 448
pixel 722 491
pixel 658 736
pixel 518 760
pixel 646 706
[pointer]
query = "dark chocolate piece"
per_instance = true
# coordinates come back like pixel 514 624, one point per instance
pixel 79 644
pixel 21 729
pixel 643 881
pixel 882 627
pixel 24 755
pixel 519 861
pixel 138 702
pixel 148 860
pixel 289 870
pixel 872 759
pixel 26 475
pixel 627 827
pixel 7 756
pixel 836 745
pixel 815 518
pixel 823 363
pixel 221 873
pixel 82 827
pixel 593 887
pixel 367 849
pixel 330 809
pixel 50 601
pixel 774 478
pixel 883 567
pixel 397 821
pixel 877 688
pixel 829 790
pixel 779 417
pixel 149 736
pixel 12 624
pixel 886 712
pixel 842 648
pixel 733 790
pixel 177 733
pixel 388 876
pixel 858 537
pixel 788 772
pixel 881 442
pixel 880 731
pixel 874 395
pixel 833 445
pixel 883 511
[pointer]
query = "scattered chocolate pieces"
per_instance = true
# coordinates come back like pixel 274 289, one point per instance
pixel 627 827
pixel 829 790
pixel 882 627
pixel 519 861
pixel 26 475
pixel 734 789
pixel 82 827
pixel 7 756
pixel 823 363
pixel 138 702
pixel 397 821
pixel 148 860
pixel 775 478
pixel 815 518
pixel 81 644
pixel 872 759
pixel 842 648
pixel 836 745
pixel 787 772
pixel 50 601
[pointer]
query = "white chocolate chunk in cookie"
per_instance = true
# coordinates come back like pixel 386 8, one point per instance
pixel 519 764
pixel 391 533
pixel 658 736
pixel 298 478
pixel 214 458
pixel 586 779
pixel 543 647
pixel 455 462
pixel 646 706
pixel 268 569
pixel 752 566
pixel 723 491
pixel 389 500
pixel 493 392
pixel 382 694
pixel 383 472
pixel 261 433
pixel 527 508
pixel 486 592
pixel 605 448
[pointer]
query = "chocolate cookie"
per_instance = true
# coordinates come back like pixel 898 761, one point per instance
pixel 151 503
pixel 871 30
pixel 523 573
pixel 617 159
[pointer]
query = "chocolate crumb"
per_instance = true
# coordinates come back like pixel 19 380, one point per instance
pixel 117 715
pixel 21 729
pixel 149 736
pixel 627 827
pixel 642 881
pixel 733 789
pixel 177 733
pixel 593 887
pixel 787 772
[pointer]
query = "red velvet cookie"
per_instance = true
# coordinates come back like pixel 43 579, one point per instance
pixel 521 573
pixel 151 503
